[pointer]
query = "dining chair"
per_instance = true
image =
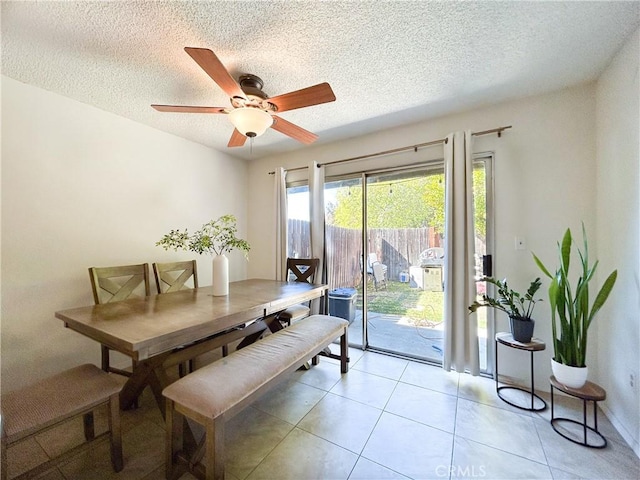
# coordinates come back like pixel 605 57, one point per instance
pixel 171 277
pixel 302 270
pixel 114 284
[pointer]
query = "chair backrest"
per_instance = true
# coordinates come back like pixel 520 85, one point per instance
pixel 171 277
pixel 113 284
pixel 379 272
pixel 303 269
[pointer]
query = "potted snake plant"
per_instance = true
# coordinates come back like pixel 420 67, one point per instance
pixel 517 306
pixel 571 312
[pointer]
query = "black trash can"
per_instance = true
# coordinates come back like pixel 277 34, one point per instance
pixel 342 303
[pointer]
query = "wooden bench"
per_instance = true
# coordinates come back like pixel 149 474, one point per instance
pixel 218 391
pixel 49 402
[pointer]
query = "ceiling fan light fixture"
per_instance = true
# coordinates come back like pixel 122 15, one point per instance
pixel 251 122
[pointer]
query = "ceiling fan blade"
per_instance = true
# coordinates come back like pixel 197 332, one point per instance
pixel 187 109
pixel 306 97
pixel 237 139
pixel 210 63
pixel 293 131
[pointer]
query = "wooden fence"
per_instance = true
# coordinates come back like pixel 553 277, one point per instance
pixel 397 248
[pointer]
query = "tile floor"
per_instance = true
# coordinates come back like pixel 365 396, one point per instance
pixel 387 418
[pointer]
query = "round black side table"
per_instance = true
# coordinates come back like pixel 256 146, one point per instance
pixel 536 345
pixel 588 392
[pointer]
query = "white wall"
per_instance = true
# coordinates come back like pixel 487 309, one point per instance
pixel 618 221
pixel 544 182
pixel 80 188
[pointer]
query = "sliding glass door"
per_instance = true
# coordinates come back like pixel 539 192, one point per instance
pixel 404 289
pixel 385 258
pixel 343 242
pixel 385 255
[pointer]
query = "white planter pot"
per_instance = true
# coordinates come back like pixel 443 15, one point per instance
pixel 220 276
pixel 573 377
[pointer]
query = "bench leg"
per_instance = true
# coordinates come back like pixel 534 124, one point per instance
pixel 214 457
pixel 3 454
pixel 173 439
pixel 89 430
pixel 344 353
pixel 115 434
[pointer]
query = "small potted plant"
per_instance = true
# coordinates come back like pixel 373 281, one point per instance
pixel 571 314
pixel 518 307
pixel 216 237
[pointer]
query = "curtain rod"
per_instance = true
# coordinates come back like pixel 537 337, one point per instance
pixel 415 148
pixel 412 147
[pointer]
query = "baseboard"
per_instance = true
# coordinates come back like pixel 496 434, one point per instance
pixel 619 426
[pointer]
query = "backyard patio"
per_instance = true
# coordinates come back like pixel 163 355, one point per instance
pixel 401 319
pixel 405 320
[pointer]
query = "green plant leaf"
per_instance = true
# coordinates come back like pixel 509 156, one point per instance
pixel 541 265
pixel 603 294
pixel 565 251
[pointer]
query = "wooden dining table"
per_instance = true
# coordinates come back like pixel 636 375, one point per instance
pixel 161 331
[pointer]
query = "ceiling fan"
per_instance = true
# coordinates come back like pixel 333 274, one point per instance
pixel 252 112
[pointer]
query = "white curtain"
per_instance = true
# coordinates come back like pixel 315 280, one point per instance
pixel 460 328
pixel 316 214
pixel 281 223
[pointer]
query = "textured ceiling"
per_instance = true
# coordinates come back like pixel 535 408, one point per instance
pixel 389 63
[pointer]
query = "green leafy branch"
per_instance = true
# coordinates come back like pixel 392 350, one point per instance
pixel 215 237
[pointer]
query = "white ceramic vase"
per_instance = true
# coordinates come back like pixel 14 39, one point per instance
pixel 220 275
pixel 573 377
